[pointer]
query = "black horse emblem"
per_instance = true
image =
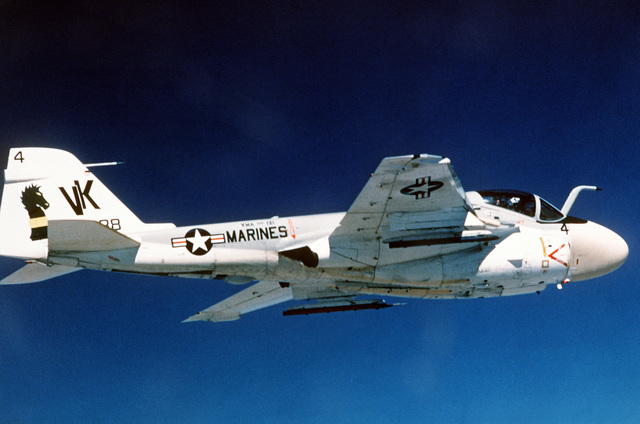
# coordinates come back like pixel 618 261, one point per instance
pixel 35 203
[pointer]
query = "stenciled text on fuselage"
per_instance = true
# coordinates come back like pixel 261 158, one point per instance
pixel 257 234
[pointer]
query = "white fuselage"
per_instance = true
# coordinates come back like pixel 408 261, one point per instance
pixel 411 232
pixel 525 258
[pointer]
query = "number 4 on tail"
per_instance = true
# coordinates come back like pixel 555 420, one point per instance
pixel 19 157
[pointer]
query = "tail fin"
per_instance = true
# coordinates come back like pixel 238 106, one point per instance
pixel 43 184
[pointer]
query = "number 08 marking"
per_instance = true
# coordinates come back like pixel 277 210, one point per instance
pixel 114 224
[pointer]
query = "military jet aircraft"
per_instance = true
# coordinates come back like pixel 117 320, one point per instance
pixel 412 232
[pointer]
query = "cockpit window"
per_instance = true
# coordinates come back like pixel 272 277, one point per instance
pixel 516 201
pixel 548 212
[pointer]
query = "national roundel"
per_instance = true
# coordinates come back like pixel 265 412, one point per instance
pixel 198 241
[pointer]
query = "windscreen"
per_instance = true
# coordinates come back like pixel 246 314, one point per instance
pixel 548 212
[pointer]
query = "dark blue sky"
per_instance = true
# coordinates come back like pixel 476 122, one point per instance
pixel 242 110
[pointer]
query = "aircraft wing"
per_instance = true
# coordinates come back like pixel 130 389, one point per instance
pixel 259 295
pixel 269 293
pixel 409 200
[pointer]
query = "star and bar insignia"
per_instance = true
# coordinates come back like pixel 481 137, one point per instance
pixel 198 241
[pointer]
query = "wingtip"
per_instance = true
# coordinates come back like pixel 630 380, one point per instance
pixel 216 317
pixel 197 317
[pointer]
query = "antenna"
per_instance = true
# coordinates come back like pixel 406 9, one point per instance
pixel 89 165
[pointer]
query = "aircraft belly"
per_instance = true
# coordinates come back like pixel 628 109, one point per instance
pixel 461 266
pixel 461 292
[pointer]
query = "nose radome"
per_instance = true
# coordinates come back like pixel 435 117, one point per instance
pixel 596 251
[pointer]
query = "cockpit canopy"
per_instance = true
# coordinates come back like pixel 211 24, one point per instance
pixel 524 203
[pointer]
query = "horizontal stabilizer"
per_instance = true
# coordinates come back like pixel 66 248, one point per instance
pixel 85 236
pixel 337 306
pixel 34 272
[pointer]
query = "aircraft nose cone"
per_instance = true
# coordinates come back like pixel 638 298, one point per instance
pixel 596 251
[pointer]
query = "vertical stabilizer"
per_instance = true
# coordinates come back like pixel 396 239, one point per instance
pixel 43 184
